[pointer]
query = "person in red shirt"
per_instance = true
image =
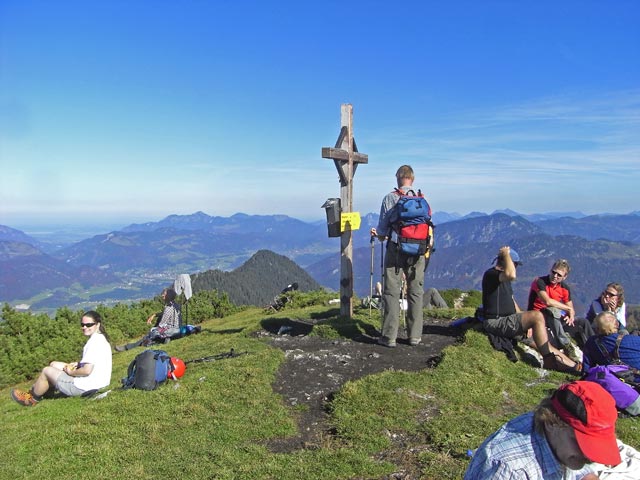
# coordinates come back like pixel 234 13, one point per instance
pixel 503 317
pixel 551 291
pixel 551 295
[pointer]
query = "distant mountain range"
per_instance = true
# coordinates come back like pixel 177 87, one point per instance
pixel 140 258
pixel 466 248
pixel 22 276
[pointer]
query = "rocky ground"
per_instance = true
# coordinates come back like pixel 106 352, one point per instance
pixel 316 368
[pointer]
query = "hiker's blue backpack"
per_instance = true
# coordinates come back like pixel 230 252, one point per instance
pixel 148 370
pixel 619 381
pixel 411 220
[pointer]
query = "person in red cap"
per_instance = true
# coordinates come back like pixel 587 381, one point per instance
pixel 558 440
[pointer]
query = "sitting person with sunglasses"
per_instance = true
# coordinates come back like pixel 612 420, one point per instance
pixel 551 295
pixel 75 379
pixel 610 300
pixel 503 317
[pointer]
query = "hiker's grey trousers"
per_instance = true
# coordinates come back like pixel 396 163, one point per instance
pixel 397 265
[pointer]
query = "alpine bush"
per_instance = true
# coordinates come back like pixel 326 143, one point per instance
pixel 29 342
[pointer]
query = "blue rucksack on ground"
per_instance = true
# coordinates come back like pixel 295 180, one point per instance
pixel 411 220
pixel 148 370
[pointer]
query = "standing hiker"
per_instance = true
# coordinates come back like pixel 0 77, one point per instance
pixel 400 261
pixel 166 323
pixel 74 379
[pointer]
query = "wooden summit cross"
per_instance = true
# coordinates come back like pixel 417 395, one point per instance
pixel 346 158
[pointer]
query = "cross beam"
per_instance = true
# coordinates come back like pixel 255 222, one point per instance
pixel 339 154
pixel 346 158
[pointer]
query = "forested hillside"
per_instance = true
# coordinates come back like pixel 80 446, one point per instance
pixel 28 341
pixel 257 281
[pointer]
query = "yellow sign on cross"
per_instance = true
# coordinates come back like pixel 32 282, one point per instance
pixel 349 221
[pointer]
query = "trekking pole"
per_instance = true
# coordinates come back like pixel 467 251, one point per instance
pixel 382 264
pixel 220 356
pixel 382 305
pixel 402 303
pixel 371 275
pixel 186 311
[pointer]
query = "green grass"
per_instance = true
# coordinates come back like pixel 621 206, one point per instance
pixel 215 422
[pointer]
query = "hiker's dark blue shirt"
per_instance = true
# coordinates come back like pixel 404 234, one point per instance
pixel 629 350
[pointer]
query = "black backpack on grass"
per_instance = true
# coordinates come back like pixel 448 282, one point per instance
pixel 148 370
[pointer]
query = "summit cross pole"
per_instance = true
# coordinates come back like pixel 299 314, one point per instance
pixel 346 158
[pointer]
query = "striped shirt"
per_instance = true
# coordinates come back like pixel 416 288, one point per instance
pixel 516 451
pixel 171 318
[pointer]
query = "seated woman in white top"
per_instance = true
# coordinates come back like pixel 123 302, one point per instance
pixel 610 300
pixel 74 379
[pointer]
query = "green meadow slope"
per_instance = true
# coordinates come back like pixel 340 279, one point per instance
pixel 217 421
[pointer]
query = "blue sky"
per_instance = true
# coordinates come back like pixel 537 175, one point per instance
pixel 120 111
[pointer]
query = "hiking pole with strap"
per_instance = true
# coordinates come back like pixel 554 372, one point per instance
pixel 403 291
pixel 220 356
pixel 382 305
pixel 382 264
pixel 371 275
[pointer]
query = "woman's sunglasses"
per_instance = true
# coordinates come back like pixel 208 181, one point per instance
pixel 87 325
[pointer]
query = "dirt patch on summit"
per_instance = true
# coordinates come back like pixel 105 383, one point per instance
pixel 316 368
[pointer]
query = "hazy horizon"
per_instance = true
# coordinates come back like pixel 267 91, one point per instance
pixel 94 227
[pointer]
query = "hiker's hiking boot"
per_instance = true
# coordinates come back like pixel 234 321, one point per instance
pixel 386 342
pixel 551 361
pixel 414 341
pixel 23 398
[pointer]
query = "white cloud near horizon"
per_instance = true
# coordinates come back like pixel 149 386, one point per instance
pixel 510 156
pixel 523 153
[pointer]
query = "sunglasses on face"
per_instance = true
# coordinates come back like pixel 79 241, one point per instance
pixel 556 274
pixel 87 325
pixel 609 294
